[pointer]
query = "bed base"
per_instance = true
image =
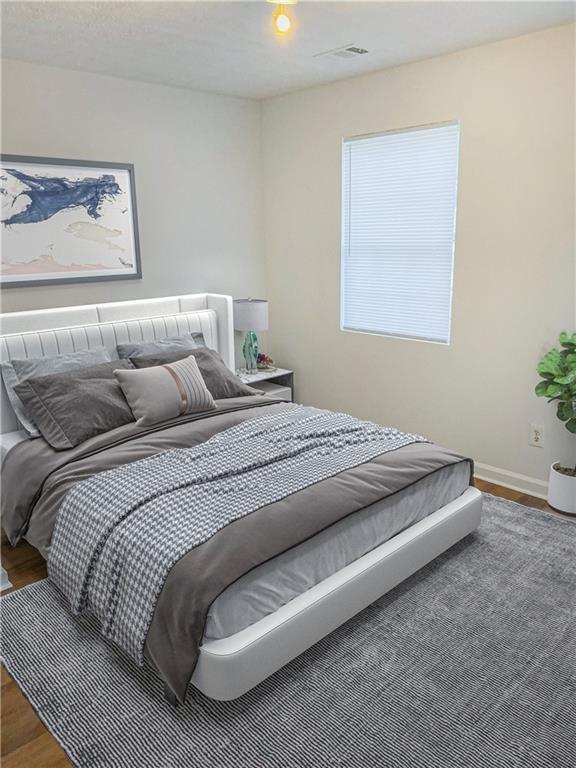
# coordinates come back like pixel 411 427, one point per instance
pixel 230 667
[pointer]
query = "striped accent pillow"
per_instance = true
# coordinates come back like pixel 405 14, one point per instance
pixel 165 391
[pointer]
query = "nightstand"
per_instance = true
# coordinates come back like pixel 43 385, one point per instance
pixel 278 383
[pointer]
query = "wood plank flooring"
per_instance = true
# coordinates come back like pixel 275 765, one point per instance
pixel 25 741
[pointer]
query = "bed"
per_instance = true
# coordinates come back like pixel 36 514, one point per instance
pixel 355 533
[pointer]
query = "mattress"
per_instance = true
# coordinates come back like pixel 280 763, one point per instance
pixel 273 584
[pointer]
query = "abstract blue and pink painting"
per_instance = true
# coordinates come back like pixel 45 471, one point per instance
pixel 66 220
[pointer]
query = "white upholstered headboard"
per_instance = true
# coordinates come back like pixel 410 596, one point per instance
pixel 54 331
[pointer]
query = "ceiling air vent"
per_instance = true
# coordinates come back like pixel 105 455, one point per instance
pixel 346 52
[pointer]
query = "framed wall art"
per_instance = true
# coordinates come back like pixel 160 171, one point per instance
pixel 65 221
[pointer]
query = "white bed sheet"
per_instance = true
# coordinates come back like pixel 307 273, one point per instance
pixel 275 583
pixel 8 440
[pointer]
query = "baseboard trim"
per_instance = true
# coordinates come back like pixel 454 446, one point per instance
pixel 513 480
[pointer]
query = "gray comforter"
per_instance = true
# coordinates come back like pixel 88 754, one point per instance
pixel 201 574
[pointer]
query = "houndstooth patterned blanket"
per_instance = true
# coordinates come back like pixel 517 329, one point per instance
pixel 119 533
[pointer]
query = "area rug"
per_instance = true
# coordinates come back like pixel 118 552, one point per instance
pixel 469 663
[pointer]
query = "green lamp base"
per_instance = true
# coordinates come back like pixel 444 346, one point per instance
pixel 250 352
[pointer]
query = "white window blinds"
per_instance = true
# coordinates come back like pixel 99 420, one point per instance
pixel 398 225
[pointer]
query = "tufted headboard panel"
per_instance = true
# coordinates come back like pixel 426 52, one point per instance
pixel 47 332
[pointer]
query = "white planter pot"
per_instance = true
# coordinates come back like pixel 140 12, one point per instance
pixel 562 491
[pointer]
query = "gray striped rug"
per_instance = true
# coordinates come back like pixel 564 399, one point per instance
pixel 470 663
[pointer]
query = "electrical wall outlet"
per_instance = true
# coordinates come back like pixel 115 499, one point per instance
pixel 536 437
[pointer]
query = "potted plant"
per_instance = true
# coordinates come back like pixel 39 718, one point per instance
pixel 558 371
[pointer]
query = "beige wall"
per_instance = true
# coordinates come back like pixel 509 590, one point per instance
pixel 515 259
pixel 197 168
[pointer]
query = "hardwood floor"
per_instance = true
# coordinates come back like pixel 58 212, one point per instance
pixel 519 497
pixel 25 741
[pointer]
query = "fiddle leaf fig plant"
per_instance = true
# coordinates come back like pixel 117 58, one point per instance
pixel 558 372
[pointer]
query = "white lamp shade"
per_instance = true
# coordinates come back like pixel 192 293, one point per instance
pixel 250 314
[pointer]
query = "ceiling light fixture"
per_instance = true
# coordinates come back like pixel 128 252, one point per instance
pixel 282 20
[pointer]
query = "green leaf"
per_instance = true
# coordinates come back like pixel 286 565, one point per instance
pixel 551 363
pixel 568 379
pixel 555 390
pixel 541 388
pixel 565 410
pixel 566 340
pixel 571 426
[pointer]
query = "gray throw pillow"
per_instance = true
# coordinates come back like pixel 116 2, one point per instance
pixel 170 344
pixel 16 371
pixel 71 407
pixel 221 382
pixel 165 391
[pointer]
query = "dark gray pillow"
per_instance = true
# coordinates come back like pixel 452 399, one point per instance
pixel 219 379
pixel 70 407
pixel 16 371
pixel 170 344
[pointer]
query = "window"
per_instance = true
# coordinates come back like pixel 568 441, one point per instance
pixel 398 225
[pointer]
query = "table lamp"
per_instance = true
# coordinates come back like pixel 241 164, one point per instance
pixel 250 315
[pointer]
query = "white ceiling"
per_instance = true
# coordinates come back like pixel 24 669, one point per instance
pixel 230 47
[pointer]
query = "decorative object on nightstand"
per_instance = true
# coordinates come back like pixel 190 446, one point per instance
pixel 278 383
pixel 265 362
pixel 250 315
